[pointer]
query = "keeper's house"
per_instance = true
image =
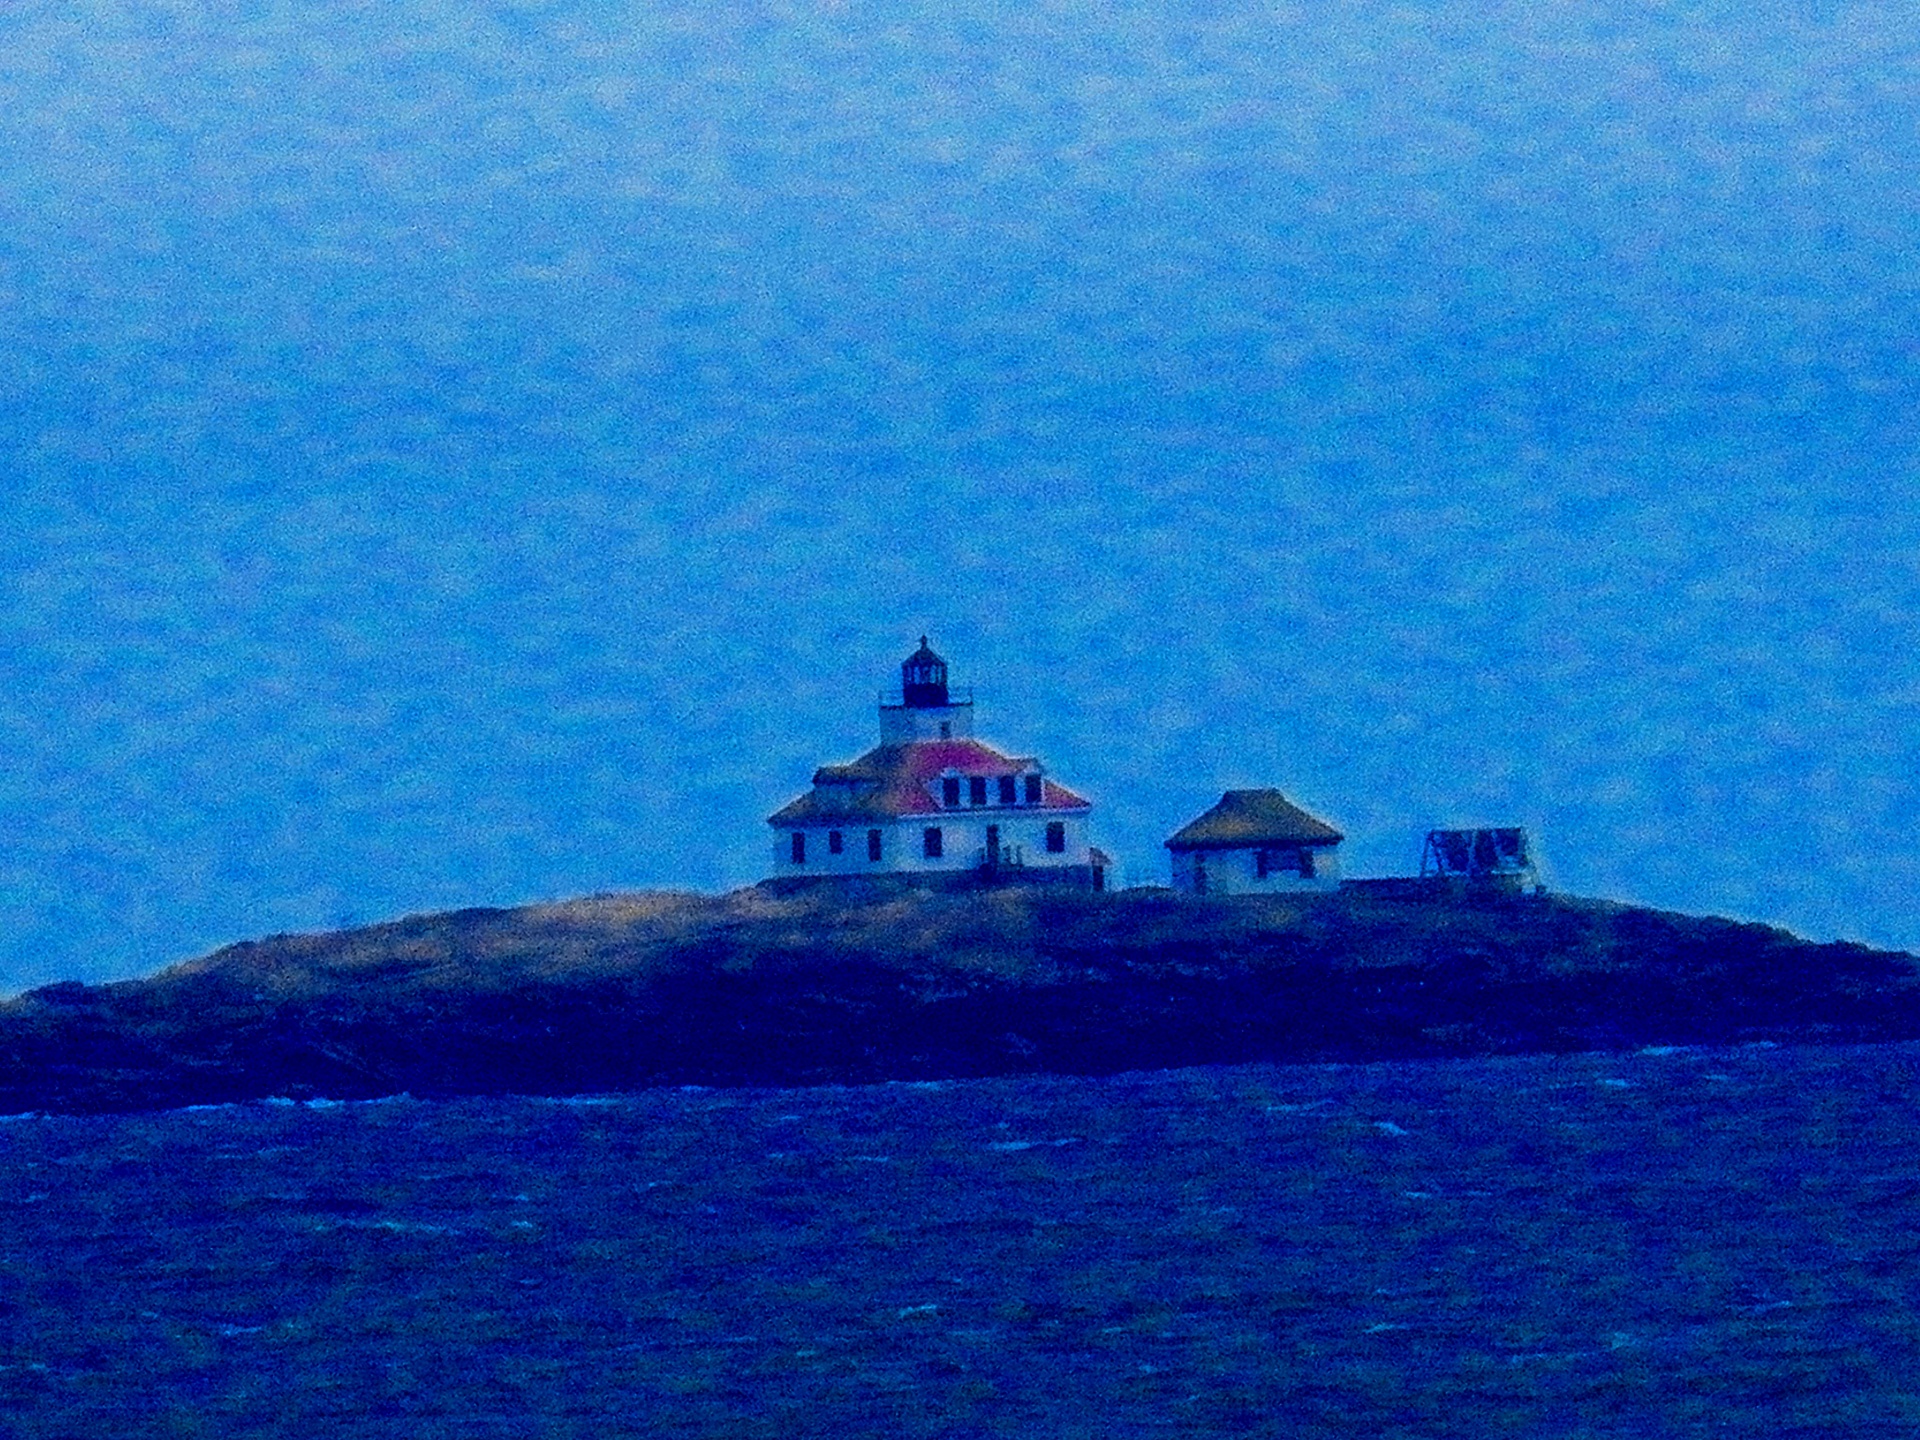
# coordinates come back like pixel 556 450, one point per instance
pixel 1255 842
pixel 931 798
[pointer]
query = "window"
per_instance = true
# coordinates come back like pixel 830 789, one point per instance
pixel 946 729
pixel 1289 861
pixel 799 847
pixel 977 790
pixel 1056 837
pixel 873 844
pixel 1033 789
pixel 950 790
pixel 930 842
pixel 834 843
pixel 1006 789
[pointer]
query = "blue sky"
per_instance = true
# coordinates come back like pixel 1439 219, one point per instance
pixel 462 455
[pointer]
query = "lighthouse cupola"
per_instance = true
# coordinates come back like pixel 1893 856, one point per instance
pixel 923 679
pixel 927 708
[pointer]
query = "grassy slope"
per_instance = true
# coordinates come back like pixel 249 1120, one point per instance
pixel 805 985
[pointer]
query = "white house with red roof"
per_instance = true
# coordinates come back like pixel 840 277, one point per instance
pixel 932 798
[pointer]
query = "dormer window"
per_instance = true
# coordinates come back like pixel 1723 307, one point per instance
pixel 1033 789
pixel 1007 788
pixel 950 791
pixel 977 790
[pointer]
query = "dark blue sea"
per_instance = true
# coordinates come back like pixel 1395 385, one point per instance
pixel 1674 1242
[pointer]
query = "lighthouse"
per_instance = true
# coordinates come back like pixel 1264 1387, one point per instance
pixel 926 707
pixel 930 798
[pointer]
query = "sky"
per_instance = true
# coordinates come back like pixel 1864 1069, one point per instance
pixel 472 454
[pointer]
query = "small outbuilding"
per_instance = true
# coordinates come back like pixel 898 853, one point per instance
pixel 1488 858
pixel 1255 842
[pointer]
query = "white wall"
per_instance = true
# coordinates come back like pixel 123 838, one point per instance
pixel 963 835
pixel 900 724
pixel 1237 872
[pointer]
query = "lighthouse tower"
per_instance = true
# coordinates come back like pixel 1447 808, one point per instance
pixel 927 708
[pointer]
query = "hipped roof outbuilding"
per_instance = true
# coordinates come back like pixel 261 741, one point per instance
pixel 1253 817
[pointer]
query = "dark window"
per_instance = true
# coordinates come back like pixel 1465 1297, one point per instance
pixel 834 844
pixel 950 790
pixel 799 847
pixel 1056 837
pixel 1291 861
pixel 946 729
pixel 977 790
pixel 873 844
pixel 1006 789
pixel 930 842
pixel 1033 789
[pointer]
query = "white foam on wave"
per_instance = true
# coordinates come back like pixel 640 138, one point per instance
pixel 328 1102
pixel 397 1227
pixel 1010 1145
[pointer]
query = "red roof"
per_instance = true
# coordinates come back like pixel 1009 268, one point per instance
pixel 923 760
pixel 891 781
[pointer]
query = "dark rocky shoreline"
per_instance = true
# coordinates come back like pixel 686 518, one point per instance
pixel 797 984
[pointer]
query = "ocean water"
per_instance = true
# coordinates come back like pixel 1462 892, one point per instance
pixel 1674 1243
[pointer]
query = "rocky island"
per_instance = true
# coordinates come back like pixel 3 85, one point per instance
pixel 891 979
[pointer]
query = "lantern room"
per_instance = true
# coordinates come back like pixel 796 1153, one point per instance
pixel 927 707
pixel 923 679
